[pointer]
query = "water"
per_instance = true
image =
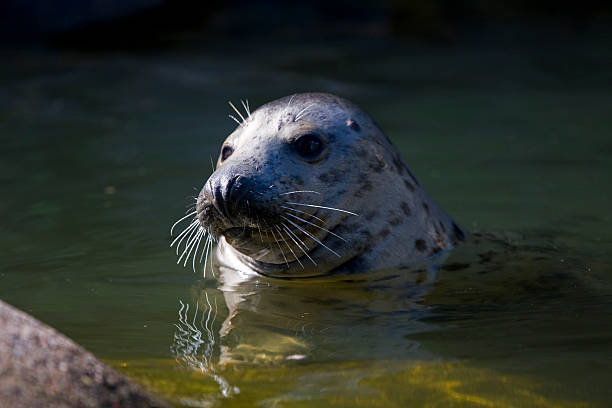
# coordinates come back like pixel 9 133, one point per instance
pixel 100 153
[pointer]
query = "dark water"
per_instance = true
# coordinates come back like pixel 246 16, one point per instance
pixel 101 153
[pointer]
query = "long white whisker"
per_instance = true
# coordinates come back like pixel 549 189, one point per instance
pixel 314 225
pixel 187 243
pixel 313 237
pixel 303 212
pixel 320 206
pixel 182 235
pixel 290 99
pixel 302 243
pixel 192 245
pixel 288 246
pixel 206 246
pixel 195 253
pixel 290 233
pixel 246 107
pixel 300 191
pixel 279 247
pixel 185 217
pixel 210 259
pixel 300 113
pixel 197 245
pixel 236 120
pixel 236 110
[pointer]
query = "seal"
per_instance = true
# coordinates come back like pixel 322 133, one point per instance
pixel 308 185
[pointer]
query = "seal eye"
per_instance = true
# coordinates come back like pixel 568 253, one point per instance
pixel 308 146
pixel 226 152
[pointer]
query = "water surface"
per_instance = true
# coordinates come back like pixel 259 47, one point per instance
pixel 100 153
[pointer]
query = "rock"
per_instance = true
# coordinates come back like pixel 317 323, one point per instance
pixel 43 368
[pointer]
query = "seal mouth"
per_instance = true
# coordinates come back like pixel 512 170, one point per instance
pixel 239 233
pixel 267 226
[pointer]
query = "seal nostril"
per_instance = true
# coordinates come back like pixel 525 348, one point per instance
pixel 221 190
pixel 218 197
pixel 213 193
pixel 230 190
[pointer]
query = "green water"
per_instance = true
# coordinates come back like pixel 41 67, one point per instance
pixel 99 155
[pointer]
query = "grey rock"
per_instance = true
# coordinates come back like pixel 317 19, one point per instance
pixel 40 367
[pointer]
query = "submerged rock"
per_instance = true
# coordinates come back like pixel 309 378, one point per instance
pixel 41 367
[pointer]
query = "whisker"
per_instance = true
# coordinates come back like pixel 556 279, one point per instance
pixel 208 245
pixel 192 245
pixel 246 106
pixel 289 232
pixel 204 248
pixel 300 191
pixel 288 246
pixel 296 237
pixel 320 206
pixel 195 253
pixel 188 242
pixel 183 234
pixel 212 272
pixel 303 212
pixel 236 110
pixel 279 247
pixel 185 217
pixel 236 120
pixel 313 237
pixel 300 113
pixel 290 99
pixel 314 225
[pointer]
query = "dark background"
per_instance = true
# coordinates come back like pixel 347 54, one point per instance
pixel 140 24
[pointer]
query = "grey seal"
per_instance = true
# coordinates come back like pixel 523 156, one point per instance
pixel 309 185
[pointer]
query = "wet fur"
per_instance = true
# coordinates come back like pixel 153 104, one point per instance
pixel 395 222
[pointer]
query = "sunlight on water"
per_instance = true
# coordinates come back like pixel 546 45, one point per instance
pixel 393 383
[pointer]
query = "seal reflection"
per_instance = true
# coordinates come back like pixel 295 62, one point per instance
pixel 258 321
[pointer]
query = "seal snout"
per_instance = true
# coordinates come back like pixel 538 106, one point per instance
pixel 228 195
pixel 218 192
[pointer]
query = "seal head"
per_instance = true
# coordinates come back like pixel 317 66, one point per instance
pixel 309 185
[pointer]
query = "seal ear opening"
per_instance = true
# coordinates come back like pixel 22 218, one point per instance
pixel 353 125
